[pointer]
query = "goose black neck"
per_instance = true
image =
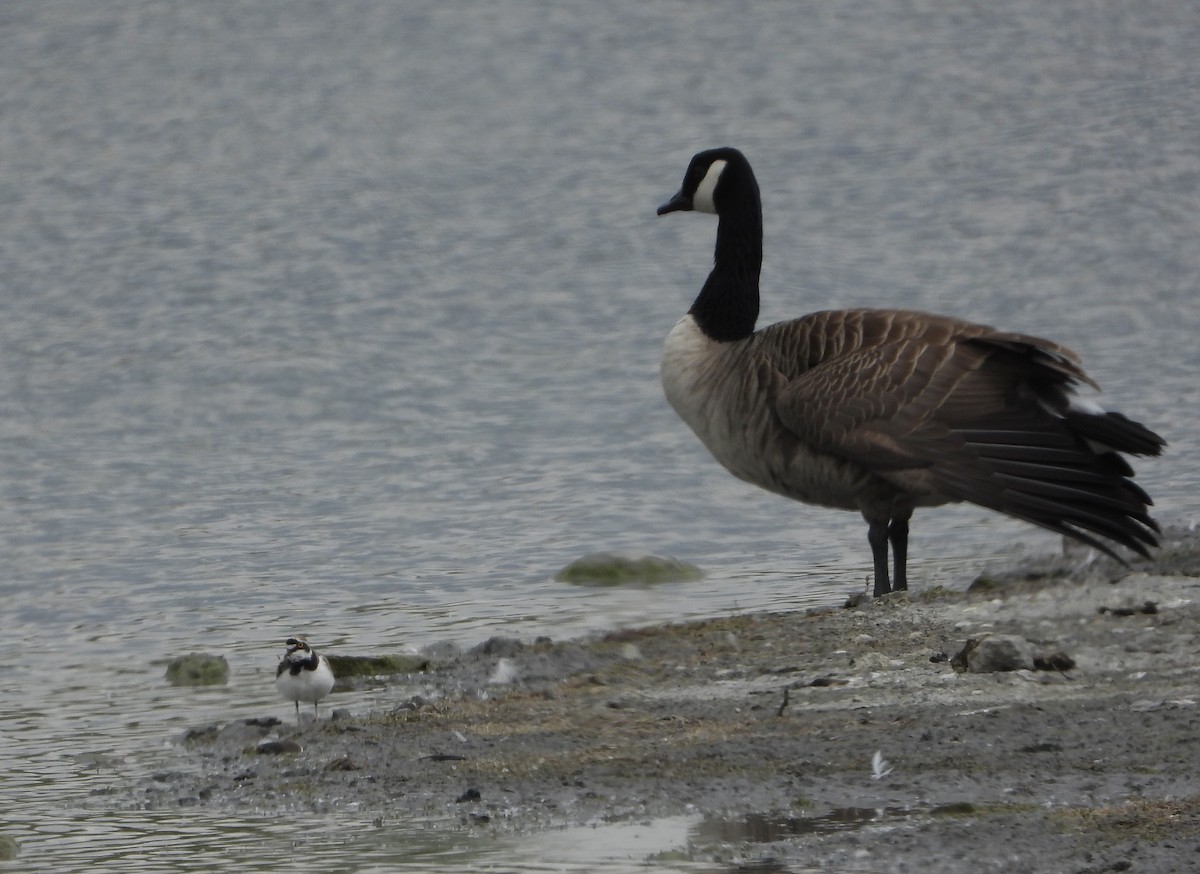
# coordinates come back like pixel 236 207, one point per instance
pixel 727 307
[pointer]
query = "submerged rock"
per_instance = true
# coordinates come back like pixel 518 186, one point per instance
pixel 611 569
pixel 198 669
pixel 9 848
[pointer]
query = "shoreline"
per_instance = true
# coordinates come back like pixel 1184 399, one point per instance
pixel 771 721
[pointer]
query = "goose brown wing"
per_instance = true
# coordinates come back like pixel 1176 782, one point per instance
pixel 961 412
pixel 885 388
pixel 886 407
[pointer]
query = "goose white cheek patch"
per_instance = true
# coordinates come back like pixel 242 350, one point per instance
pixel 702 200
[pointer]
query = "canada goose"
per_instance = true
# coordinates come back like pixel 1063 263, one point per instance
pixel 883 411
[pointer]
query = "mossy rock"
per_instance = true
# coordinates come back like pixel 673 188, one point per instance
pixel 198 669
pixel 9 848
pixel 983 584
pixel 611 569
pixel 345 667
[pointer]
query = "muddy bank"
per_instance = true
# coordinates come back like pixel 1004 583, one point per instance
pixel 769 725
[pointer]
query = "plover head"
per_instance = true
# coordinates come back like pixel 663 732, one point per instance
pixel 297 644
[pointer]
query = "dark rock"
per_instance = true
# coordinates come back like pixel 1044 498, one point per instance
pixel 1046 747
pixel 498 646
pixel 1053 661
pixel 200 733
pixel 413 704
pixel 264 721
pixel 821 682
pixel 469 795
pixel 1148 608
pixel 277 747
pixel 343 763
pixel 244 732
pixel 998 652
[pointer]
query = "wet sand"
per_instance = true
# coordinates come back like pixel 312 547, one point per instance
pixel 768 724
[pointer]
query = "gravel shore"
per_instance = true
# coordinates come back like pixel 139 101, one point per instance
pixel 1088 762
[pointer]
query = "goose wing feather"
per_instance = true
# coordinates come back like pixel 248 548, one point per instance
pixel 886 388
pixel 948 410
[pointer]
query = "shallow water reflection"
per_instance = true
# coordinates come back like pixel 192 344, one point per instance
pixel 196 841
pixel 758 828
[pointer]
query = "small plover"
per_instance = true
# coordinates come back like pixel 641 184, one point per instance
pixel 303 675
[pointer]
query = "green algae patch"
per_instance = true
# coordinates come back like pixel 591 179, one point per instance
pixel 956 808
pixel 198 669
pixel 611 569
pixel 345 667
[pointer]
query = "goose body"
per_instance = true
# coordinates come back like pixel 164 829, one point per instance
pixel 882 411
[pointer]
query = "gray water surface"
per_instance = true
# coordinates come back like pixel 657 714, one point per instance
pixel 345 319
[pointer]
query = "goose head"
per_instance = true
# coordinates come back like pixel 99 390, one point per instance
pixel 716 181
pixel 720 181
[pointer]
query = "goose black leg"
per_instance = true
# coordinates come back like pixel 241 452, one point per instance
pixel 877 536
pixel 898 535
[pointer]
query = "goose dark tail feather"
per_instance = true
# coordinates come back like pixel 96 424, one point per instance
pixel 1067 478
pixel 1116 432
